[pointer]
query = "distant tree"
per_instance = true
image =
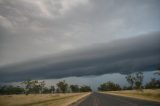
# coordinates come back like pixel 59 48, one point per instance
pixel 11 90
pixel 46 90
pixel 58 90
pixel 153 84
pixel 109 86
pixel 42 85
pixel 127 88
pixel 52 89
pixel 130 80
pixel 138 79
pixel 85 88
pixel 28 86
pixel 74 88
pixel 33 86
pixel 135 79
pixel 62 86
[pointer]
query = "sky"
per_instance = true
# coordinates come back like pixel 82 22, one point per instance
pixel 93 81
pixel 51 39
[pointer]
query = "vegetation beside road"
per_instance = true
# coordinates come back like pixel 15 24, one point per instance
pixel 36 93
pixel 38 87
pixel 135 81
pixel 146 94
pixel 136 89
pixel 41 99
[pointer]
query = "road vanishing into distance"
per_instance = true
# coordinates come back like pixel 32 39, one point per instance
pixel 99 99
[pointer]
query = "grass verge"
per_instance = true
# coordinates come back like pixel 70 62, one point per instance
pixel 146 94
pixel 41 99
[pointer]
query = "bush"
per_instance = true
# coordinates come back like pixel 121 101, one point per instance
pixel 85 89
pixel 109 86
pixel 75 88
pixel 153 84
pixel 11 90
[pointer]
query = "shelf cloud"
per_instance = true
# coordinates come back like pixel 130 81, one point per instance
pixel 120 56
pixel 42 39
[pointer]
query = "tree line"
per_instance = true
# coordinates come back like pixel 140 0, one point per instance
pixel 135 81
pixel 39 87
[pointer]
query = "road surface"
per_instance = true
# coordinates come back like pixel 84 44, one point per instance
pixel 99 99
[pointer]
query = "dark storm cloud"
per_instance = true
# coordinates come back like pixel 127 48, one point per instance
pixel 35 28
pixel 141 53
pixel 59 38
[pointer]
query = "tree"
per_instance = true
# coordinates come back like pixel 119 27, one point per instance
pixel 42 85
pixel 135 79
pixel 58 90
pixel 28 86
pixel 130 80
pixel 109 86
pixel 33 86
pixel 138 79
pixel 47 90
pixel 11 90
pixel 62 86
pixel 52 89
pixel 153 84
pixel 126 88
pixel 85 88
pixel 74 88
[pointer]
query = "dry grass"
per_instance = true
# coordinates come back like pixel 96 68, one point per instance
pixel 147 94
pixel 41 99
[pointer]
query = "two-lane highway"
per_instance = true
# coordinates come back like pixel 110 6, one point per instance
pixel 99 99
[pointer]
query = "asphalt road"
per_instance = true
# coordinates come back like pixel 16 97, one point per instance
pixel 98 99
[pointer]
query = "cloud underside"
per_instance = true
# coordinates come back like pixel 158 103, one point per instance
pixel 35 28
pixel 121 56
pixel 42 39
